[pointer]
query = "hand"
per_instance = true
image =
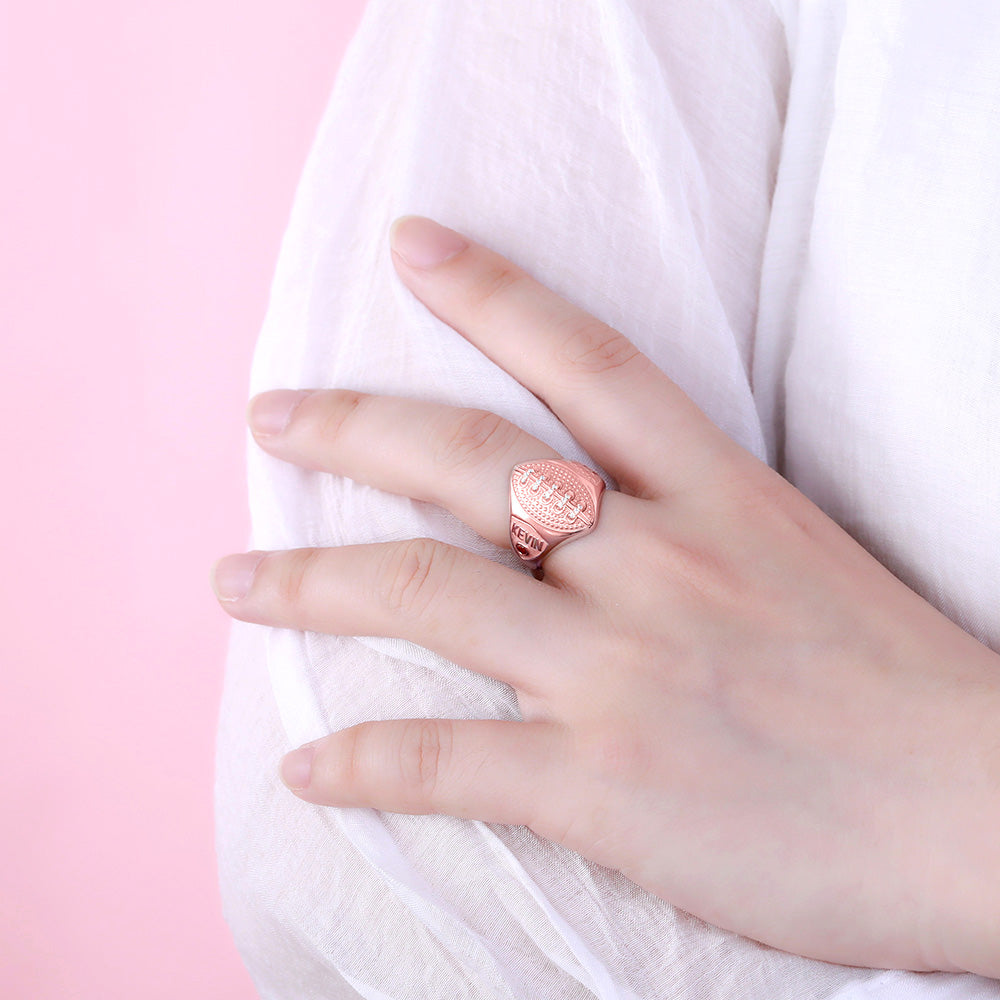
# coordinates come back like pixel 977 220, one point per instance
pixel 724 695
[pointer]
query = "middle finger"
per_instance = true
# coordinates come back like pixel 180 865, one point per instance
pixel 456 457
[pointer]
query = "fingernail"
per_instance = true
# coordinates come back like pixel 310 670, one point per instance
pixel 269 412
pixel 232 575
pixel 296 767
pixel 422 243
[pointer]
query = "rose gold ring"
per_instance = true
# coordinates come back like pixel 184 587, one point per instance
pixel 551 501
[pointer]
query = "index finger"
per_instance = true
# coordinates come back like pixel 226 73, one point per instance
pixel 634 420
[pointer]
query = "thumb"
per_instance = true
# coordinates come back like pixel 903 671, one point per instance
pixel 476 769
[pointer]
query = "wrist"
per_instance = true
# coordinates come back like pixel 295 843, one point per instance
pixel 968 880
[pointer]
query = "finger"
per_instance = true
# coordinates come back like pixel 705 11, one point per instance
pixel 474 611
pixel 475 769
pixel 455 457
pixel 635 421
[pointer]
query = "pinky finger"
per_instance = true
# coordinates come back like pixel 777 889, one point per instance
pixel 474 769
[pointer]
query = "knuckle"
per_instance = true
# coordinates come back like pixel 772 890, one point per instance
pixel 752 493
pixel 412 575
pixel 338 769
pixel 424 752
pixel 593 348
pixel 774 507
pixel 494 283
pixel 338 413
pixel 299 568
pixel 474 438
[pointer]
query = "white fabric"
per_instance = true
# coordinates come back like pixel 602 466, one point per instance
pixel 793 209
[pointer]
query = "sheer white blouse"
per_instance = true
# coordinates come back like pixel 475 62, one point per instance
pixel 794 209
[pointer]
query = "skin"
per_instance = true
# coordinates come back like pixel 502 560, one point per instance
pixel 724 695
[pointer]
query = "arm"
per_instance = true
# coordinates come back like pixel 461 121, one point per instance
pixel 724 695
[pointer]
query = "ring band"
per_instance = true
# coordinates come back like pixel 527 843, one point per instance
pixel 551 501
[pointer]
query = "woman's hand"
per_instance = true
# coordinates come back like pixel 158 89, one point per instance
pixel 724 695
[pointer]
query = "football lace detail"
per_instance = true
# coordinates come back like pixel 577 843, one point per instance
pixel 564 498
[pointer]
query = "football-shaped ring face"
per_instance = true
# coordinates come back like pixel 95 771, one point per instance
pixel 551 500
pixel 552 495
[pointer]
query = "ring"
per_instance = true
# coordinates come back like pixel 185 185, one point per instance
pixel 551 501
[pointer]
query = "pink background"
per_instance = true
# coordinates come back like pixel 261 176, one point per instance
pixel 149 157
